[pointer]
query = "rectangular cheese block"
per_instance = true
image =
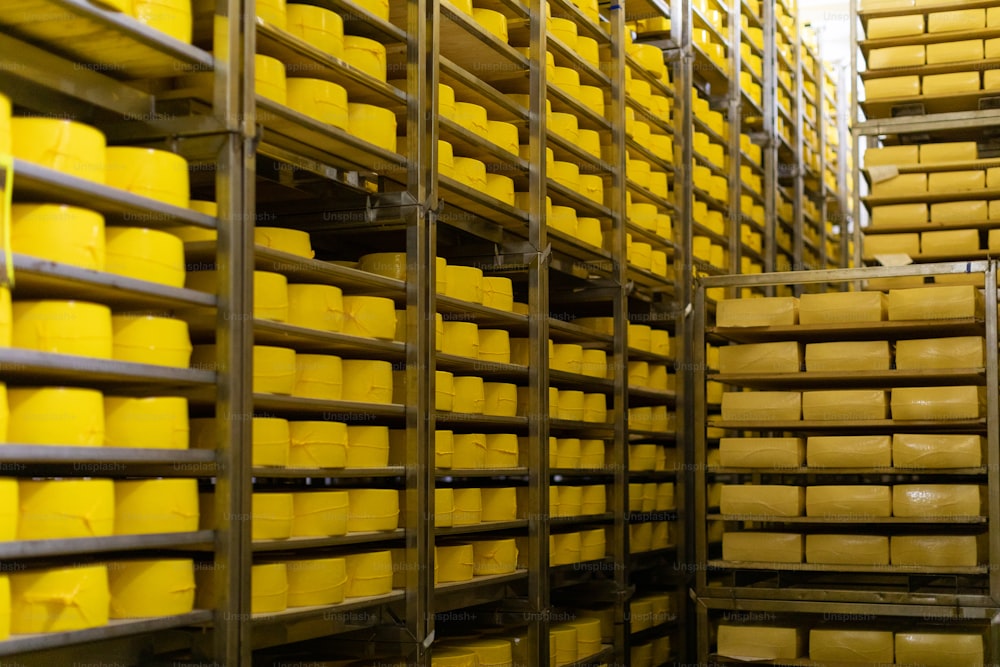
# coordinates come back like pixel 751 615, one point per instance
pixel 886 284
pixel 781 357
pixel 849 451
pixel 842 307
pixel 871 646
pixel 893 155
pixel 994 240
pixel 939 649
pixel 956 181
pixel 891 244
pixel 936 500
pixel 937 550
pixel 895 216
pixel 894 86
pixel 991 47
pixel 935 303
pixel 937 450
pixel 963 19
pixel 900 186
pixel 762 500
pixel 952 83
pixel 958 352
pixel 928 403
pixel 896 26
pixel 869 355
pixel 949 242
pixel 844 405
pixel 994 210
pixel 756 642
pixel 955 52
pixel 767 312
pixel 993 17
pixel 849 502
pixel 764 547
pixel 993 178
pixel 847 549
pixel 761 452
pixel 959 212
pixel 975 279
pixel 991 79
pixel 951 151
pixel 761 406
pixel 911 55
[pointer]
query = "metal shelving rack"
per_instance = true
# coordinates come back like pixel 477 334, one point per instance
pixel 804 594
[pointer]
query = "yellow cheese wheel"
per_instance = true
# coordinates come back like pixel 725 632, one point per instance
pixel 63 327
pixel 444 507
pixel 317 26
pixel 499 504
pixel 373 124
pixel 59 600
pixel 66 146
pixel 5 607
pixel 65 234
pixel 444 448
pixel 369 317
pixel 388 264
pixel 570 405
pixel 172 17
pixel 270 438
pixel 316 307
pixel 366 55
pixel 273 367
pixel 367 381
pixel 500 187
pixel 469 450
pixel 567 357
pixel 454 657
pixel 156 506
pixel 9 510
pixel 147 172
pixel 56 416
pixel 468 507
pixel 494 346
pixel 456 563
pixel 444 390
pixel 368 574
pixel 494 556
pixel 148 339
pixel 595 408
pixel 564 548
pixel 501 450
pixel 268 588
pixel 319 513
pixel 272 515
pixel 499 400
pixel 591 454
pixel 472 117
pixel 321 100
pixel 367 446
pixel 318 376
pixel 372 510
pixel 65 509
pixel 292 241
pixel 564 646
pixel 317 444
pixel 593 544
pixel 464 283
pixel 151 588
pixel 159 422
pixel 313 582
pixel 145 254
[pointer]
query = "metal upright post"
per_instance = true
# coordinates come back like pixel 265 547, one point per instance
pixel 848 217
pixel 819 95
pixel 735 143
pixel 992 428
pixel 855 138
pixel 770 148
pixel 799 172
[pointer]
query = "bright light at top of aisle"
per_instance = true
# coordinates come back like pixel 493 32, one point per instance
pixel 831 19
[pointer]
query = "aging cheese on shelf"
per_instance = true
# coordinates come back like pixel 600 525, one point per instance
pixel 762 547
pixel 762 405
pixel 768 312
pixel 901 185
pixel 959 212
pixel 955 20
pixel 937 550
pixel 991 47
pixel 910 55
pixel 761 452
pixel 849 451
pixel 938 649
pixel 782 357
pixel 936 500
pixel 847 549
pixel 895 86
pixel 848 356
pixel 842 307
pixel 935 303
pixel 926 353
pixel 891 244
pixel 956 181
pixel 954 83
pixel 856 501
pixel 895 216
pixel 871 646
pixel 928 403
pixel 844 404
pixel 954 52
pixel 756 642
pixel 762 500
pixel 892 156
pixel 950 242
pixel 934 450
pixel 952 151
pixel 895 26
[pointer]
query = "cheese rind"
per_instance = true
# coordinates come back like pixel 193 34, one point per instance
pixel 762 405
pixel 848 356
pixel 849 501
pixel 948 84
pixel 956 181
pixel 991 47
pixel 959 212
pixel 938 649
pixel 763 547
pixel 847 549
pixel 768 312
pixel 895 216
pixel 762 500
pixel 937 550
pixel 949 242
pixel 842 307
pixel 782 357
pixel 929 403
pixel 910 55
pixel 901 185
pixel 936 500
pixel 963 19
pixel 895 86
pixel 891 244
pixel 933 450
pixel 892 155
pixel 954 52
pixel 759 642
pixel 856 451
pixel 761 452
pixel 952 151
pixel 895 26
pixel 844 404
pixel 941 353
pixel 935 303
pixel 871 646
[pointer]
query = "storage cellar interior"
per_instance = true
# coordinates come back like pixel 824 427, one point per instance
pixel 491 333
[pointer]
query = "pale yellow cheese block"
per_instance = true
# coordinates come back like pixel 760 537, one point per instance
pixel 956 151
pixel 991 47
pixel 956 181
pixel 991 79
pixel 762 405
pixel 894 216
pixel 955 20
pixel 762 500
pixel 910 55
pixel 959 352
pixel 951 84
pixel 993 178
pixel 891 244
pixel 848 356
pixel 842 307
pixel 937 550
pixel 849 501
pixel 901 185
pixel 847 549
pixel 782 357
pixel 955 52
pixel 926 403
pixel 935 303
pixel 763 547
pixel 871 646
pixel 959 212
pixel 757 642
pixel 950 242
pixel 761 452
pixel 774 311
pixel 934 450
pixel 936 500
pixel 994 211
pixel 849 451
pixel 844 404
pixel 939 649
pixel 892 155
pixel 895 86
pixel 895 26
pixel 992 17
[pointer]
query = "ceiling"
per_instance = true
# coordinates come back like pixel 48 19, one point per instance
pixel 832 21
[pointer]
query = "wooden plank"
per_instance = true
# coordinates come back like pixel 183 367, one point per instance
pixel 935 197
pixel 854 330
